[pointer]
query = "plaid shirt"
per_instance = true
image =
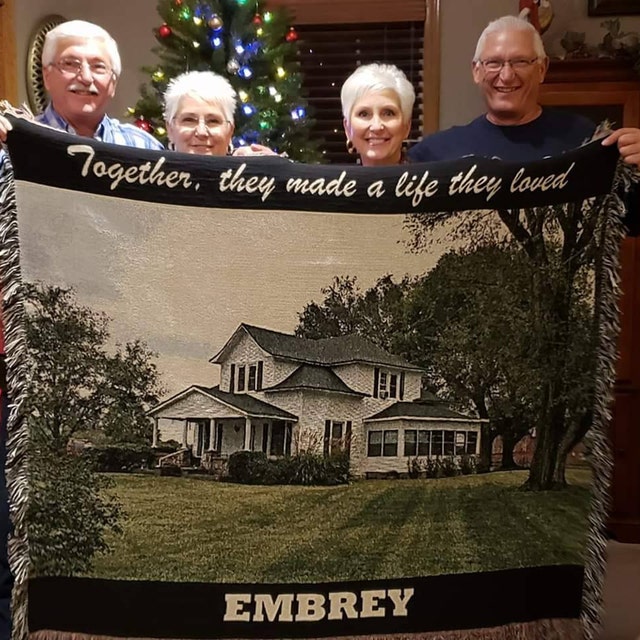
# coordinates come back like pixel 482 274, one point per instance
pixel 109 130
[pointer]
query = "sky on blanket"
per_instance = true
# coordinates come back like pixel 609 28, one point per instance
pixel 182 279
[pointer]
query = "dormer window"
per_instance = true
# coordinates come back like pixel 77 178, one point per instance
pixel 241 377
pixel 253 375
pixel 387 384
pixel 246 377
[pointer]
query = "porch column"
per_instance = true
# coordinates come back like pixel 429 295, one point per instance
pixel 247 433
pixel 184 435
pixel 154 441
pixel 212 424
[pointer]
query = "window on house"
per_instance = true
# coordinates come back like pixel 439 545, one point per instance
pixel 387 384
pixel 472 442
pixel 416 442
pixel 437 438
pixel 461 441
pixel 382 443
pixel 337 436
pixel 393 386
pixel 449 443
pixel 241 376
pixel 382 387
pixel 218 437
pixel 253 375
pixel 281 433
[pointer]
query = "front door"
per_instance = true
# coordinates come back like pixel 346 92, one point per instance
pixel 203 437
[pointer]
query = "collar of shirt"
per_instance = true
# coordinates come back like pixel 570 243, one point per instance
pixel 53 119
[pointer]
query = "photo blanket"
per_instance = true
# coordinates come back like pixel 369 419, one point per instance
pixel 258 399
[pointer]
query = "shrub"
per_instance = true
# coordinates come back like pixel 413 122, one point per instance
pixel 449 467
pixel 120 457
pixel 248 467
pixel 468 465
pixel 69 514
pixel 433 468
pixel 415 467
pixel 251 467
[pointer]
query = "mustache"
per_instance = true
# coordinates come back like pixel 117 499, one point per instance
pixel 79 87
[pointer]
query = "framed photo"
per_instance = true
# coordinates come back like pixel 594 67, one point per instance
pixel 613 7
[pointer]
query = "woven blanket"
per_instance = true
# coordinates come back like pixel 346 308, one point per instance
pixel 258 399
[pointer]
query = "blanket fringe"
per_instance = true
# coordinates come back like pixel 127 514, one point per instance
pixel 556 629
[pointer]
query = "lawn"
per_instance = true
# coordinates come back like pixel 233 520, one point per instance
pixel 194 529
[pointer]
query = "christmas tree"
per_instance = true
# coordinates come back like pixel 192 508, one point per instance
pixel 254 49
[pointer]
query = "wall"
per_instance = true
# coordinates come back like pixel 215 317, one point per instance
pixel 131 23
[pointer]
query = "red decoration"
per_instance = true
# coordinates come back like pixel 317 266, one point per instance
pixel 178 3
pixel 257 19
pixel 143 124
pixel 164 31
pixel 292 35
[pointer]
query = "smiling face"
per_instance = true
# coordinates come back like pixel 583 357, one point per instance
pixel 511 95
pixel 377 128
pixel 200 127
pixel 81 97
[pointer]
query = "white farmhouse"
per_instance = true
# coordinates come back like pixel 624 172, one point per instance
pixel 282 394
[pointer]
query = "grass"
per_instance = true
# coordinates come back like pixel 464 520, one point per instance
pixel 194 529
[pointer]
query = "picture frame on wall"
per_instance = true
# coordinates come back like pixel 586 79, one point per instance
pixel 613 7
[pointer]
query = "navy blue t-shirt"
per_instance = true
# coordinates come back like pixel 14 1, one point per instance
pixel 551 133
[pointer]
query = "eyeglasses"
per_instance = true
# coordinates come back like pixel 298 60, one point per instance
pixel 517 64
pixel 192 122
pixel 73 66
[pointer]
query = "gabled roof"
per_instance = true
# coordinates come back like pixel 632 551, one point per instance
pixel 308 376
pixel 245 404
pixel 324 351
pixel 419 409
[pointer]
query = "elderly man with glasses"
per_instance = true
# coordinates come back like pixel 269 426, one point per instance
pixel 509 66
pixel 80 68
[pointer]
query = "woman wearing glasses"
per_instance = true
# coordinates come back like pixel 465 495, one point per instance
pixel 377 101
pixel 199 107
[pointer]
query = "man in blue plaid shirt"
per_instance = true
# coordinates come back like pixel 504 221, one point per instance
pixel 80 67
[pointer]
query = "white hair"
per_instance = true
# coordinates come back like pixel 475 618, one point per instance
pixel 204 85
pixel 376 78
pixel 79 29
pixel 510 23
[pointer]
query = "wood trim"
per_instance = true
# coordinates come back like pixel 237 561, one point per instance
pixel 8 75
pixel 431 69
pixel 354 11
pixel 597 93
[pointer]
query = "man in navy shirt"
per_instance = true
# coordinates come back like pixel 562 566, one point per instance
pixel 509 66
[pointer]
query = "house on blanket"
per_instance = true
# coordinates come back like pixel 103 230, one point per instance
pixel 282 394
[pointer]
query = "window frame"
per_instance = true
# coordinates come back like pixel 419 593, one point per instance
pixel 384 443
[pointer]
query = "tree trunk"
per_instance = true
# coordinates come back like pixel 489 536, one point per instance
pixel 548 464
pixel 487 436
pixel 509 441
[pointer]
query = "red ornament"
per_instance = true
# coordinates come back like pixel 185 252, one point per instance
pixel 257 19
pixel 144 124
pixel 292 35
pixel 178 3
pixel 164 31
